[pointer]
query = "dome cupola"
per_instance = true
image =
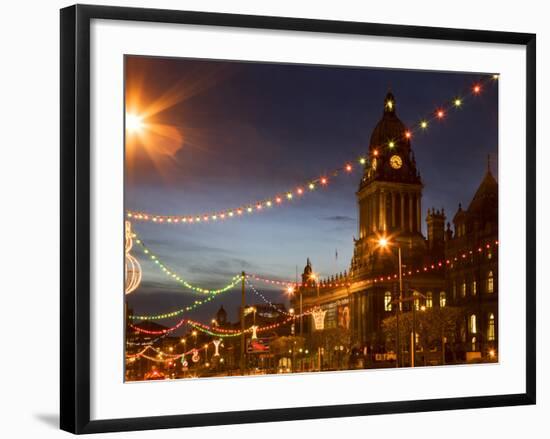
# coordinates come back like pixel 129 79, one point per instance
pixel 390 153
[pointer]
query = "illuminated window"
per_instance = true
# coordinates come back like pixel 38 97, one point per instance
pixel 463 288
pixel 417 304
pixel 442 299
pixel 429 299
pixel 490 282
pixel 474 344
pixel 473 324
pixel 489 254
pixel 474 287
pixel 387 301
pixel 491 328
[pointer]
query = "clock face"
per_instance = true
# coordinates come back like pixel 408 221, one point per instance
pixel 396 162
pixel 374 164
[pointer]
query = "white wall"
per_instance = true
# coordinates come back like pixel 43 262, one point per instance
pixel 29 205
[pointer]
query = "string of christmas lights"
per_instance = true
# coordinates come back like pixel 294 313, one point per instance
pixel 214 334
pixel 436 265
pixel 298 191
pixel 433 266
pixel 158 331
pixel 145 343
pixel 192 307
pixel 266 300
pixel 163 356
pixel 235 333
pixel 170 273
pixel 249 208
pixel 218 332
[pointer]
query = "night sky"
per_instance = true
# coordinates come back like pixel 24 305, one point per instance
pixel 222 134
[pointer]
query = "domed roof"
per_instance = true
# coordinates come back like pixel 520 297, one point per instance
pixel 390 141
pixel 390 127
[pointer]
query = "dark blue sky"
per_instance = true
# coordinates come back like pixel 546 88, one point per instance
pixel 249 131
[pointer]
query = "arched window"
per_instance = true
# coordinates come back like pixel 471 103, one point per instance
pixel 491 328
pixel 473 324
pixel 490 282
pixel 429 299
pixel 463 288
pixel 474 287
pixel 387 301
pixel 442 299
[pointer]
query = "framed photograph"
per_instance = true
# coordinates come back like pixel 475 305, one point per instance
pixel 268 219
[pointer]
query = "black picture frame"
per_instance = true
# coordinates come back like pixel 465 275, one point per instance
pixel 75 217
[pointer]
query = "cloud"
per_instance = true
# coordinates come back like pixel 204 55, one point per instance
pixel 339 218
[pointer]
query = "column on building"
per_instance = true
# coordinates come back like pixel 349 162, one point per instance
pixel 382 210
pixel 393 225
pixel 402 196
pixel 411 212
pixel 368 225
pixel 374 213
pixel 418 213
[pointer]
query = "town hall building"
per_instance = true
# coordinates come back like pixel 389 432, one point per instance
pixel 455 266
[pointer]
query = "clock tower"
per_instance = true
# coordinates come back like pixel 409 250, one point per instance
pixel 389 196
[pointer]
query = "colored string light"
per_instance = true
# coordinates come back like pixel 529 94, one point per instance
pixel 298 191
pixel 157 331
pixel 145 343
pixel 179 311
pixel 436 265
pixel 218 332
pixel 162 356
pixel 170 273
pixel 248 208
pixel 275 307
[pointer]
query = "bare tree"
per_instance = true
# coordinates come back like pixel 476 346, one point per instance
pixel 435 328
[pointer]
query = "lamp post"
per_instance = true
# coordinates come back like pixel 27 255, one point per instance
pixel 414 296
pixel 384 243
pixel 290 291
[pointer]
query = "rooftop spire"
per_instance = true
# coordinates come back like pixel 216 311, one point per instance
pixel 389 103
